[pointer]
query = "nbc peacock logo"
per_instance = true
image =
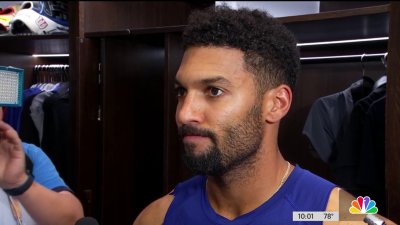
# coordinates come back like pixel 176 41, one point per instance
pixel 363 205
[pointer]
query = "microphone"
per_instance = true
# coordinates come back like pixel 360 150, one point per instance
pixel 373 220
pixel 87 221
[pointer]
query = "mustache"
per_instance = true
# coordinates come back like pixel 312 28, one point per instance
pixel 186 130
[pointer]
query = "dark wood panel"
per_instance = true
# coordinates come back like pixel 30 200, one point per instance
pixel 133 126
pixel 325 6
pixel 35 44
pixel 136 31
pixel 115 15
pixel 392 115
pixel 343 28
pixel 336 14
pixel 85 101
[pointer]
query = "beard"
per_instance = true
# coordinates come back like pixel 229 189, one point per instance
pixel 234 149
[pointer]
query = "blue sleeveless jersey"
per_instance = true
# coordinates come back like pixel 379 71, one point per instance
pixel 303 191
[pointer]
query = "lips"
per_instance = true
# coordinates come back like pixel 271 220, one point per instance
pixel 194 134
pixel 194 138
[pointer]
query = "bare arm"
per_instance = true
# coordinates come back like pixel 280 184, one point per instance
pixel 44 205
pixel 154 213
pixel 339 196
pixel 50 207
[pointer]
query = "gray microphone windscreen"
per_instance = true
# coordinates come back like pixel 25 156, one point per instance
pixel 87 221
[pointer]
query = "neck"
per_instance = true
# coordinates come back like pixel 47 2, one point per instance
pixel 244 189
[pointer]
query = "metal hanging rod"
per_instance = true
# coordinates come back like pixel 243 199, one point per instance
pixel 350 41
pixel 344 58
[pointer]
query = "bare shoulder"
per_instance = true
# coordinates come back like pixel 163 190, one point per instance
pixel 154 213
pixel 340 201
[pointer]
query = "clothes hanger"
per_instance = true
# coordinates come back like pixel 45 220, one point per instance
pixel 365 77
pixel 383 79
pixel 367 82
pixel 362 64
pixel 384 60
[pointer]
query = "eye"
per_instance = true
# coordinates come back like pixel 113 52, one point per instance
pixel 215 92
pixel 180 91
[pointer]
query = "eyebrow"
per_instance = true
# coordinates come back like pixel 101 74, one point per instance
pixel 208 81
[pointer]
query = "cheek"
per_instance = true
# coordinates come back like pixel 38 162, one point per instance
pixel 229 113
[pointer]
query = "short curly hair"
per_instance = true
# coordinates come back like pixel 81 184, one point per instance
pixel 270 51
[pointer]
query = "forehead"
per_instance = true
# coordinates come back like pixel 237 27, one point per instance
pixel 204 62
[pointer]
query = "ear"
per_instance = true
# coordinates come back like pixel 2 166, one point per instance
pixel 276 103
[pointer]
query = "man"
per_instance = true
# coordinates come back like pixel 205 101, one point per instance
pixel 234 85
pixel 39 196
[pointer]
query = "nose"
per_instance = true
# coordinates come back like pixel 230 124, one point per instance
pixel 188 110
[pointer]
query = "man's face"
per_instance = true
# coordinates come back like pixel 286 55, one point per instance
pixel 218 112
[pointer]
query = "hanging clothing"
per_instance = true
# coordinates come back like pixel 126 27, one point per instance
pixel 27 130
pixel 371 168
pixel 373 147
pixel 350 142
pixel 57 133
pixel 37 113
pixel 13 115
pixel 330 114
pixel 347 130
